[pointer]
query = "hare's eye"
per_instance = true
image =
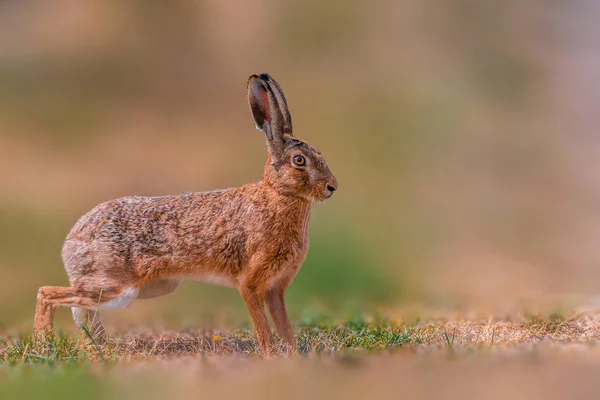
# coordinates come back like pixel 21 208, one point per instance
pixel 299 160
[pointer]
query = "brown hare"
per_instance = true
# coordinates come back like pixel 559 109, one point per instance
pixel 253 238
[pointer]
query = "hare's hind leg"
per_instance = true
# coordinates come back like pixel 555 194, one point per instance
pixel 51 297
pixel 44 311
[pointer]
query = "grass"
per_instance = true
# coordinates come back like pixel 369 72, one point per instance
pixel 315 337
pixel 526 356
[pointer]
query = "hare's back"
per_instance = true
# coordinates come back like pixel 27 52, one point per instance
pixel 154 224
pixel 134 218
pixel 116 231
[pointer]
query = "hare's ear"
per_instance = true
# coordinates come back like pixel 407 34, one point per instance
pixel 266 112
pixel 283 107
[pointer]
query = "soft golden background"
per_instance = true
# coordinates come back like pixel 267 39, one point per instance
pixel 463 135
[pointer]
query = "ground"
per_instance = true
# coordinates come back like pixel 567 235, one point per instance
pixel 522 356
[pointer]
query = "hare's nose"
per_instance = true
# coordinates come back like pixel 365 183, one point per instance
pixel 332 185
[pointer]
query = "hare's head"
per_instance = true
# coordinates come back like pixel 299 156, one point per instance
pixel 294 168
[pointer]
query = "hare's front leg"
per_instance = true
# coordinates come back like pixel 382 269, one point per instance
pixel 276 303
pixel 255 300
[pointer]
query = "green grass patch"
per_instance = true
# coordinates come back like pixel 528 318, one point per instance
pixel 356 334
pixel 313 337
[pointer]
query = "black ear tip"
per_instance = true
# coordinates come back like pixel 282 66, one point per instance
pixel 264 77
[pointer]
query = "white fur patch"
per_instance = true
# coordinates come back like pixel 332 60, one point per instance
pixel 123 301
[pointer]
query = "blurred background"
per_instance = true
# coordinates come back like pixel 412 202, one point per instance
pixel 463 135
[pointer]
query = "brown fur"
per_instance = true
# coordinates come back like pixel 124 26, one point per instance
pixel 253 238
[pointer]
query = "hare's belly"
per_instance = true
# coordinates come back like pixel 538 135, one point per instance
pixel 213 278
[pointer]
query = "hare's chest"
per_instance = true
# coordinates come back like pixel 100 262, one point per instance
pixel 296 247
pixel 288 270
pixel 296 258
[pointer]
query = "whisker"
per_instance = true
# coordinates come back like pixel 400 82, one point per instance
pixel 291 204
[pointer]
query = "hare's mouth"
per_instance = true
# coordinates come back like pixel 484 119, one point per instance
pixel 325 195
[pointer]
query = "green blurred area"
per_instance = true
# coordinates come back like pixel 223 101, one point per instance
pixel 437 119
pixel 64 383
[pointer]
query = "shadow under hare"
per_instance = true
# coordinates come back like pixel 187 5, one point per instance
pixel 253 238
